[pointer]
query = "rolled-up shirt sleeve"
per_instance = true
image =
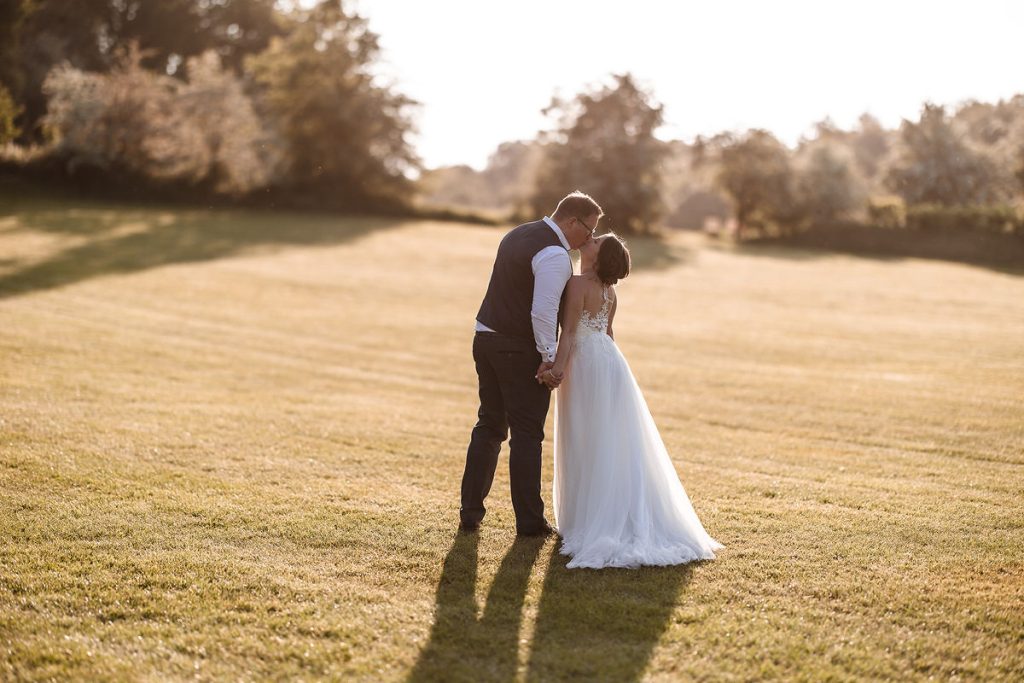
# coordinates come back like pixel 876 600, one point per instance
pixel 552 269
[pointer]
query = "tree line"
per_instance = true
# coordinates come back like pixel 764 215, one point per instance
pixel 959 169
pixel 233 98
pixel 252 100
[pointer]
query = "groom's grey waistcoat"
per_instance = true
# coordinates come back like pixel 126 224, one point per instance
pixel 507 305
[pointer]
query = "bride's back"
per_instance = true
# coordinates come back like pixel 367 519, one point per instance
pixel 594 294
pixel 596 304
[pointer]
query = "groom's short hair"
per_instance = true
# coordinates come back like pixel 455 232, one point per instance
pixel 577 204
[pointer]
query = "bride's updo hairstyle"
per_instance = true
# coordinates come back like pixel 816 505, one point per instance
pixel 612 259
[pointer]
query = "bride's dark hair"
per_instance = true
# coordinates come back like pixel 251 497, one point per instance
pixel 613 260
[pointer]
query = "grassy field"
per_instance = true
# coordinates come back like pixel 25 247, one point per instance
pixel 231 446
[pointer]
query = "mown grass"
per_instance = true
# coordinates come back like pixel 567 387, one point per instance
pixel 230 448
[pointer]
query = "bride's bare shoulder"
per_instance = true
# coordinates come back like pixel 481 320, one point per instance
pixel 582 288
pixel 577 283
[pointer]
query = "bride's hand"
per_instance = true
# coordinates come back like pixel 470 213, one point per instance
pixel 553 377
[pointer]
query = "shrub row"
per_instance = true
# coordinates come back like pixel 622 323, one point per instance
pixel 890 212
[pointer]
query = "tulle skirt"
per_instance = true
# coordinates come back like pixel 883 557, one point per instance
pixel 618 500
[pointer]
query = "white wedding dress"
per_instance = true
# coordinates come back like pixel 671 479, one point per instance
pixel 618 501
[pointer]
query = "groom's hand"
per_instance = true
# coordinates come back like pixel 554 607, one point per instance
pixel 548 378
pixel 544 367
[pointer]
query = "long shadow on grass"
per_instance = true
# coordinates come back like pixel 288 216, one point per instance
pixel 462 647
pixel 118 241
pixel 603 624
pixel 591 625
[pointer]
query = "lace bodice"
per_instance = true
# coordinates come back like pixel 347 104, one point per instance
pixel 598 322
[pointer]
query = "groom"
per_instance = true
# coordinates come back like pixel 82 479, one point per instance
pixel 515 342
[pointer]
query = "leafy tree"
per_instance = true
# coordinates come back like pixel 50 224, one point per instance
pixel 118 120
pixel 1019 171
pixel 934 164
pixel 604 144
pixel 148 124
pixel 996 130
pixel 511 175
pixel 505 185
pixel 44 34
pixel 755 172
pixel 989 124
pixel 346 134
pixel 8 113
pixel 827 186
pixel 697 207
pixel 870 143
pixel 458 187
pixel 171 31
pixel 241 154
pixel 89 34
pixel 12 16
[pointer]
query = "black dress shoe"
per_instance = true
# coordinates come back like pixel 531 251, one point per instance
pixel 546 530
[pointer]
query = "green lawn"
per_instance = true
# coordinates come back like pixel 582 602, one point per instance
pixel 231 446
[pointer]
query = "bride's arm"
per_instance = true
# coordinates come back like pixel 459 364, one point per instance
pixel 611 311
pixel 573 310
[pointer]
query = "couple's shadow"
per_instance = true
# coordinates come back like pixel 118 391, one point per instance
pixel 591 625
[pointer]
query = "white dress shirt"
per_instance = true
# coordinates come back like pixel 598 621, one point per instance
pixel 552 269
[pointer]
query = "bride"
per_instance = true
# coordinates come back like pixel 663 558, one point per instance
pixel 618 501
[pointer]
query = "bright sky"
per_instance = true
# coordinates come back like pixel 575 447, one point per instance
pixel 484 69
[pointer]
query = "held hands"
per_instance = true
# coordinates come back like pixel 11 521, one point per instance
pixel 549 375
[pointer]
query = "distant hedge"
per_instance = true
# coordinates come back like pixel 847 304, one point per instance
pixel 1001 219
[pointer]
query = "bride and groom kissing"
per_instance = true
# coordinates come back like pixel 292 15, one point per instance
pixel 617 498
